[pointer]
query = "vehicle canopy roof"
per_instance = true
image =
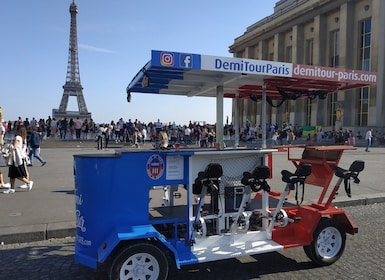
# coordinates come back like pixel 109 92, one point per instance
pixel 188 74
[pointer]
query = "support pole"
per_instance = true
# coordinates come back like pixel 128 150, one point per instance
pixel 264 117
pixel 219 126
pixel 236 120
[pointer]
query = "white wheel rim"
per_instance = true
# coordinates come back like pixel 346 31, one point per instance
pixel 140 266
pixel 329 242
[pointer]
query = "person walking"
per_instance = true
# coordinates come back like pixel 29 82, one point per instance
pixel 78 127
pixel 53 127
pixel 163 139
pixel 204 137
pixel 101 134
pixel 274 138
pixel 34 147
pixel 187 135
pixel 368 139
pixel 290 137
pixel 2 183
pixel 211 138
pixel 17 165
pixel 2 133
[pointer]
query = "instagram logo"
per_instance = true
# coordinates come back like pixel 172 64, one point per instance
pixel 167 59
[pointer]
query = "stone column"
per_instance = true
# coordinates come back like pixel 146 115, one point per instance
pixel 378 40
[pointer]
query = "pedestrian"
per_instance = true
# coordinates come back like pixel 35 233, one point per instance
pixel 163 139
pixel 204 138
pixel 100 137
pixel 290 137
pixel 2 133
pixel 275 137
pixel 308 139
pixel 63 129
pixel 85 129
pixel 53 127
pixel 352 140
pixel 368 139
pixel 72 128
pixel 158 127
pixel 16 160
pixel 34 147
pixel 281 135
pixel 48 126
pixel 78 127
pixel 187 135
pixel 319 135
pixel 144 134
pixel 2 183
pixel 108 128
pixel 211 138
pixel 121 129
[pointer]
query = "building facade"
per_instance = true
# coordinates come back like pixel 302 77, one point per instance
pixel 346 34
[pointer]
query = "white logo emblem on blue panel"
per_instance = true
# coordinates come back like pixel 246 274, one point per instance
pixel 186 60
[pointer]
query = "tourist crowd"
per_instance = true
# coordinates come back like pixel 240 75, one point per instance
pixel 128 131
pixel 135 132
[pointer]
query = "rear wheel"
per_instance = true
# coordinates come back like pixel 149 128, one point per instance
pixel 140 261
pixel 328 243
pixel 307 252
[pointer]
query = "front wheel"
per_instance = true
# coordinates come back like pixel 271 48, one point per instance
pixel 140 261
pixel 328 243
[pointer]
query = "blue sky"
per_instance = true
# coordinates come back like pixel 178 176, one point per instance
pixel 115 39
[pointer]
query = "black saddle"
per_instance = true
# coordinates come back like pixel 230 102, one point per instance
pixel 350 174
pixel 257 179
pixel 209 178
pixel 297 178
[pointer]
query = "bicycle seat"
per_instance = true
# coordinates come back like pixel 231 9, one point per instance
pixel 299 176
pixel 352 173
pixel 213 171
pixel 261 172
pixel 257 178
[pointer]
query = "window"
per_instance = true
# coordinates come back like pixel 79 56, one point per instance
pixel 332 108
pixel 287 112
pixel 364 60
pixel 365 39
pixel 334 48
pixel 288 55
pixel 309 51
pixel 308 111
pixel 364 107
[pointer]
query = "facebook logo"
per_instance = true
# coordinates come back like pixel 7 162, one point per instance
pixel 186 60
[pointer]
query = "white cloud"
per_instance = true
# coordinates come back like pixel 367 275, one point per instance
pixel 95 49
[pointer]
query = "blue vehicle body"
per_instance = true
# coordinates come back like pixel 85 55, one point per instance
pixel 112 199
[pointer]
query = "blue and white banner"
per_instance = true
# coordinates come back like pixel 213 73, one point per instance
pixel 246 66
pixel 176 60
pixel 216 63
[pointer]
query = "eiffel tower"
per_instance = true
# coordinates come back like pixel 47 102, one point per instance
pixel 72 86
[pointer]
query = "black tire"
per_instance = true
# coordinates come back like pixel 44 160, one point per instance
pixel 328 243
pixel 140 261
pixel 307 252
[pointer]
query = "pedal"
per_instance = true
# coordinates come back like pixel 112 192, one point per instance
pixel 296 220
pixel 177 195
